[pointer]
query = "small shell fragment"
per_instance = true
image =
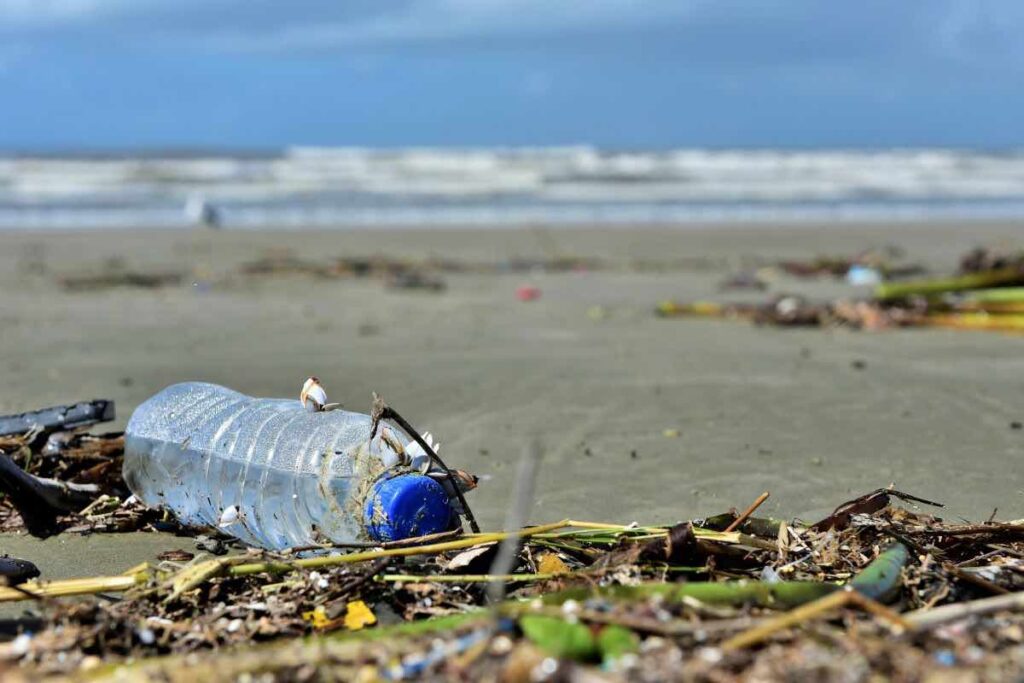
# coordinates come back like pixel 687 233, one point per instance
pixel 421 463
pixel 228 517
pixel 313 396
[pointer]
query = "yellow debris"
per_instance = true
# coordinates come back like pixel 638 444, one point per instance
pixel 550 563
pixel 317 617
pixel 358 615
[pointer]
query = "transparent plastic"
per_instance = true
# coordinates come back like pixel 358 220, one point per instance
pixel 294 477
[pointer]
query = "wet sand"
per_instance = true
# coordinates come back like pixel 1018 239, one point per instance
pixel 756 409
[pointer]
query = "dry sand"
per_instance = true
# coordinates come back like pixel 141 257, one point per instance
pixel 755 409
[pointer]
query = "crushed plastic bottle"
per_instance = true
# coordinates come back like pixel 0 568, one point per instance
pixel 274 474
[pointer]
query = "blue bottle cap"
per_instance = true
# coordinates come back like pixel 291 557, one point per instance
pixel 404 506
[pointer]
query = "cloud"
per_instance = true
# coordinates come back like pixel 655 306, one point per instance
pixel 28 14
pixel 725 31
pixel 458 20
pixel 261 25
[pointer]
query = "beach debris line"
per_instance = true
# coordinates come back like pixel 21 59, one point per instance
pixel 643 602
pixel 730 595
pixel 114 272
pixel 393 272
pixel 71 484
pixel 986 294
pixel 885 263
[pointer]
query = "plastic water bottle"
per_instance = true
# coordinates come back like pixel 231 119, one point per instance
pixel 274 474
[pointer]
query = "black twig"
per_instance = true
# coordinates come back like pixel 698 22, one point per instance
pixel 382 411
pixel 59 418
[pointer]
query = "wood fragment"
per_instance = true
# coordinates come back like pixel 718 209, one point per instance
pixel 748 512
pixel 39 500
pixel 930 618
pixel 794 617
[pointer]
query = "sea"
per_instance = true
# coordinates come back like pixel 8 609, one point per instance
pixel 340 187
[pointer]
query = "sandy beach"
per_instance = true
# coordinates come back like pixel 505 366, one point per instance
pixel 640 418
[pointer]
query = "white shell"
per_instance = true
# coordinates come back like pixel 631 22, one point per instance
pixel 313 395
pixel 418 458
pixel 421 463
pixel 415 449
pixel 229 516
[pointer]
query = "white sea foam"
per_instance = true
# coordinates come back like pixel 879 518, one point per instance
pixel 339 186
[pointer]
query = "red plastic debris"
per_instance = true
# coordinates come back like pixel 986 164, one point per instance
pixel 528 293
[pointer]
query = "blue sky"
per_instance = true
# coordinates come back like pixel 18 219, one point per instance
pixel 124 74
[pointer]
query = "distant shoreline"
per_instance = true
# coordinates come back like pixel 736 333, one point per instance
pixel 329 187
pixel 810 222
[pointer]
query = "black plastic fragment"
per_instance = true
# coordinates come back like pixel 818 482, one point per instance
pixel 15 571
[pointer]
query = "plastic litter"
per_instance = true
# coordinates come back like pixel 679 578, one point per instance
pixel 277 475
pixel 863 275
pixel 528 293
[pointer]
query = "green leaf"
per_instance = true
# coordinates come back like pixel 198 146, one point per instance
pixel 559 638
pixel 614 641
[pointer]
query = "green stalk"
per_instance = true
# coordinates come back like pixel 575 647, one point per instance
pixel 880 580
pixel 471 578
pixel 899 290
pixel 998 295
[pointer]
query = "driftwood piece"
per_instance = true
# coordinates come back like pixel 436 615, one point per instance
pixel 58 418
pixel 39 500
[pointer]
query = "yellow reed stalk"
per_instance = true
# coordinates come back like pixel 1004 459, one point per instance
pixel 55 589
pixel 651 532
pixel 995 307
pixel 470 578
pixel 193 575
pixel 976 321
pixel 137 569
pixel 333 560
pixel 796 616
pixel 848 597
pixel 595 525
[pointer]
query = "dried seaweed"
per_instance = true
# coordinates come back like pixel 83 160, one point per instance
pixel 726 597
pixel 985 294
pixel 666 602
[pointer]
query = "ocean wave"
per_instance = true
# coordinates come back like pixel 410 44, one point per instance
pixel 321 186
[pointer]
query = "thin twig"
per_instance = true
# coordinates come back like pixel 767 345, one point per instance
pixel 519 510
pixel 367 545
pixel 842 598
pixel 974 529
pixel 746 513
pixel 382 411
pixel 975 580
pixel 801 614
pixel 930 618
pixel 880 611
pixel 470 578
